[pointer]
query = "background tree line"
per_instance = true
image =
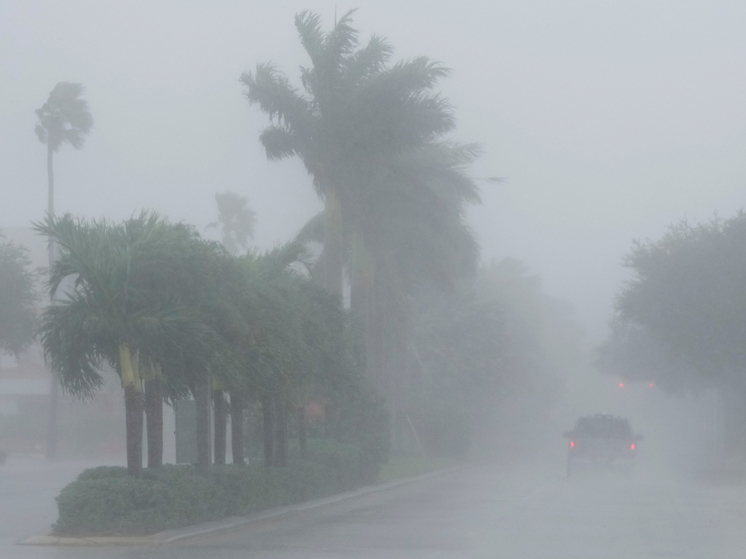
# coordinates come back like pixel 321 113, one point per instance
pixel 175 314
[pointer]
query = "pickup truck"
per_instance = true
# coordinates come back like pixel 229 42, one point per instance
pixel 601 439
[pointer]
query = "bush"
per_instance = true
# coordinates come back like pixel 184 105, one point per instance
pixel 106 501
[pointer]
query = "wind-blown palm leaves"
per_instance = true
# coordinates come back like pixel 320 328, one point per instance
pixel 355 113
pixel 141 295
pixel 171 311
pixel 63 119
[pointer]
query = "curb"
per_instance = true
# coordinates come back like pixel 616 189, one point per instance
pixel 230 523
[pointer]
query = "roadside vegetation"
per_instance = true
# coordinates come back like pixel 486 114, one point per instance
pixel 426 363
pixel 679 321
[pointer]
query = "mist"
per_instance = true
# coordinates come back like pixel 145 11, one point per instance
pixel 598 126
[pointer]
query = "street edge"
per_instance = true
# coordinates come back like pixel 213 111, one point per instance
pixel 230 523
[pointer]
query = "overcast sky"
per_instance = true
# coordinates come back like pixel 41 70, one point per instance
pixel 608 120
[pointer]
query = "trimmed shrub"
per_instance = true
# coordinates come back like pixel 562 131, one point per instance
pixel 106 501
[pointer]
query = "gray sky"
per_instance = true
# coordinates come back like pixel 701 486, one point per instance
pixel 609 120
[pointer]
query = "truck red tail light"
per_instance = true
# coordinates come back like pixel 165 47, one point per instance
pixel 632 446
pixel 572 444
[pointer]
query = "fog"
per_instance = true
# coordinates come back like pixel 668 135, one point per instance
pixel 606 123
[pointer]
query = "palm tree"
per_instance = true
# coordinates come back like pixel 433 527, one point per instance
pixel 64 118
pixel 371 135
pixel 355 111
pixel 130 307
pixel 236 220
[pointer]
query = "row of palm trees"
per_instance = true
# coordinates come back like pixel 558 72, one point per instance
pixel 175 314
pixel 373 135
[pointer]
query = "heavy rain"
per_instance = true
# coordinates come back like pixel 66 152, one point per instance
pixel 377 279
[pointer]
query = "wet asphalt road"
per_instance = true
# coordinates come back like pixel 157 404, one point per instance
pixel 481 511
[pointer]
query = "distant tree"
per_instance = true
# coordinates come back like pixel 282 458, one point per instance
pixel 63 119
pixel 494 346
pixel 236 221
pixel 682 317
pixel 688 294
pixel 17 298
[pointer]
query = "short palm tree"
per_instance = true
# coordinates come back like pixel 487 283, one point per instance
pixel 127 308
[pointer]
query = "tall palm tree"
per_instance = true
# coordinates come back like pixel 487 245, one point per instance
pixel 354 112
pixel 64 118
pixel 371 134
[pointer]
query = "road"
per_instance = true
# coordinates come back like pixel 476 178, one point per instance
pixel 483 512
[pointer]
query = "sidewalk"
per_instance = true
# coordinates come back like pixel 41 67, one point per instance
pixel 28 487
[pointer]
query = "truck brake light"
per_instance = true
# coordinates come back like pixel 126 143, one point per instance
pixel 632 446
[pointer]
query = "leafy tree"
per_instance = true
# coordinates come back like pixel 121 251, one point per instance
pixel 236 220
pixel 17 298
pixel 492 348
pixel 680 320
pixel 687 294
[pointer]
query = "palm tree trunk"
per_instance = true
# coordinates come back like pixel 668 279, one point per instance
pixel 202 400
pixel 302 443
pixel 268 431
pixel 54 391
pixel 281 424
pixel 154 414
pixel 221 417
pixel 50 181
pixel 54 396
pixel 133 409
pixel 237 418
pixel 333 248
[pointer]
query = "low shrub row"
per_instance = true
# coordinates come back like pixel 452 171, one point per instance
pixel 106 501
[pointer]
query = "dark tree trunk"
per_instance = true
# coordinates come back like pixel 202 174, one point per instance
pixel 202 398
pixel 221 417
pixel 268 431
pixel 302 431
pixel 281 424
pixel 133 408
pixel 154 413
pixel 237 419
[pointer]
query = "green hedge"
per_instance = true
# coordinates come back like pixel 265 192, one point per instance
pixel 106 501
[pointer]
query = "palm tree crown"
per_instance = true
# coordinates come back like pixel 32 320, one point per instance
pixel 64 118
